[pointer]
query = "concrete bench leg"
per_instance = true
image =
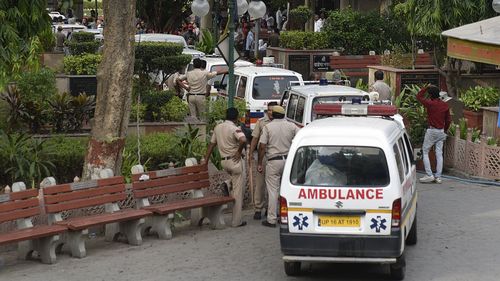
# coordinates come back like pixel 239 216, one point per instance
pixel 46 248
pixel 146 226
pixel 76 243
pixel 132 230
pixel 214 214
pixel 162 226
pixel 24 249
pixel 111 231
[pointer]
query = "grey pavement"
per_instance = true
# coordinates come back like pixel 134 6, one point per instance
pixel 458 240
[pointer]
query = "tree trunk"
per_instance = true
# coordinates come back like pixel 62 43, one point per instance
pixel 114 89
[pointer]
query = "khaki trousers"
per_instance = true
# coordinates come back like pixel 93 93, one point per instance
pixel 259 195
pixel 235 171
pixel 274 171
pixel 197 106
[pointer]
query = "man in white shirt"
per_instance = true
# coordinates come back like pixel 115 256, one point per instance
pixel 318 23
pixel 249 42
pixel 384 91
pixel 278 18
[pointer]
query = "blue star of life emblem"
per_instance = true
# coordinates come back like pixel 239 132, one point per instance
pixel 378 223
pixel 300 221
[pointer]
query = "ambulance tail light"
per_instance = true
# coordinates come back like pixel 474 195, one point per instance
pixel 283 210
pixel 351 109
pixel 396 213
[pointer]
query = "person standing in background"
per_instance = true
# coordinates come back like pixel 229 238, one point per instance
pixel 379 86
pixel 60 39
pixel 318 23
pixel 279 19
pixel 249 41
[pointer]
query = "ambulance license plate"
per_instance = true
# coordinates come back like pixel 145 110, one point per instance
pixel 339 221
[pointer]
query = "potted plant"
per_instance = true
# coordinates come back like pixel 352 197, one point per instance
pixel 474 99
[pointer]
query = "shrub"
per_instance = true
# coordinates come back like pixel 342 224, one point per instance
pixel 174 110
pixel 217 111
pixel 82 65
pixel 134 110
pixel 82 37
pixel 69 112
pixel 80 48
pixel 477 97
pixel 299 16
pixel 303 40
pixel 37 86
pixel 67 155
pixel 160 148
pixel 414 114
pixel 47 40
pixel 154 101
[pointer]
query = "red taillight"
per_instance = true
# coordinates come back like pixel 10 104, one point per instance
pixel 396 212
pixel 283 210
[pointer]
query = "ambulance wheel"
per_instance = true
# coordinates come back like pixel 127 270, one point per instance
pixel 292 268
pixel 398 269
pixel 412 236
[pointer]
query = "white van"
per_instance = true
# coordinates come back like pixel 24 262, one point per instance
pixel 259 85
pixel 348 192
pixel 299 100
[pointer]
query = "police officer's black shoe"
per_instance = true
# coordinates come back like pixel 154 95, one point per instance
pixel 224 188
pixel 257 216
pixel 268 224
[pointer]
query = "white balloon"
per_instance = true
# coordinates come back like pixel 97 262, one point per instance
pixel 242 7
pixel 200 7
pixel 496 5
pixel 256 9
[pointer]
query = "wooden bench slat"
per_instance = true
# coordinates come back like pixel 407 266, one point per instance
pixel 23 194
pixel 16 205
pixel 19 214
pixel 170 207
pixel 82 203
pixel 68 187
pixel 85 193
pixel 171 189
pixel 169 180
pixel 171 172
pixel 31 233
pixel 78 223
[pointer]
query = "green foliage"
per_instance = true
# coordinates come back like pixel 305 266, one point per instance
pixel 37 86
pixel 362 86
pixel 67 155
pixel 15 110
pixel 22 22
pixel 303 40
pixel 174 110
pixel 70 112
pixel 159 147
pixel 217 111
pixel 356 33
pixel 414 113
pixel 82 65
pixel 475 135
pixel 80 48
pixel 137 108
pixel 398 58
pixel 452 131
pixel 300 16
pixel 462 127
pixel 477 97
pixel 47 40
pixel 492 141
pixel 156 57
pixel 27 158
pixel 207 43
pixel 154 101
pixel 129 160
pixel 82 37
pixel 190 144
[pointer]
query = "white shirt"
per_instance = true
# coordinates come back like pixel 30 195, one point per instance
pixel 318 25
pixel 278 19
pixel 249 43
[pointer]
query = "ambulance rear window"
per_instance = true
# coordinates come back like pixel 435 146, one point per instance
pixel 340 166
pixel 271 87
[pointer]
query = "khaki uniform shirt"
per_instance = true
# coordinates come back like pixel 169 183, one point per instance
pixel 278 136
pixel 383 90
pixel 226 135
pixel 198 80
pixel 257 131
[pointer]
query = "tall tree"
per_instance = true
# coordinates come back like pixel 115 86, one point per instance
pixel 114 89
pixel 21 24
pixel 163 15
pixel 427 19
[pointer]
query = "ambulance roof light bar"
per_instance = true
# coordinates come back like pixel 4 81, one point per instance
pixel 355 109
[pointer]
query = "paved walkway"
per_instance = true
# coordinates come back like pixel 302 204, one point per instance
pixel 458 240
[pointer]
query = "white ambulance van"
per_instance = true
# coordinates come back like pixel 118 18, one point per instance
pixel 348 192
pixel 257 86
pixel 299 100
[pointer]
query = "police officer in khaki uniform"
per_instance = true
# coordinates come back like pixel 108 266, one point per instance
pixel 275 142
pixel 260 183
pixel 197 80
pixel 230 140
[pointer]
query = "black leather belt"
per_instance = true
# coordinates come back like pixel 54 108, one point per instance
pixel 196 94
pixel 281 157
pixel 230 157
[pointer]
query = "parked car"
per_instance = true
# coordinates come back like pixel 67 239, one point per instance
pixel 69 28
pixel 57 17
pixel 161 37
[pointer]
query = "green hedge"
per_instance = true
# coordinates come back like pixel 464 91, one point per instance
pixel 82 65
pixel 67 156
pixel 82 37
pixel 303 40
pixel 80 48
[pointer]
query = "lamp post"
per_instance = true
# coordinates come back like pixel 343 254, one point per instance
pixel 496 5
pixel 256 9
